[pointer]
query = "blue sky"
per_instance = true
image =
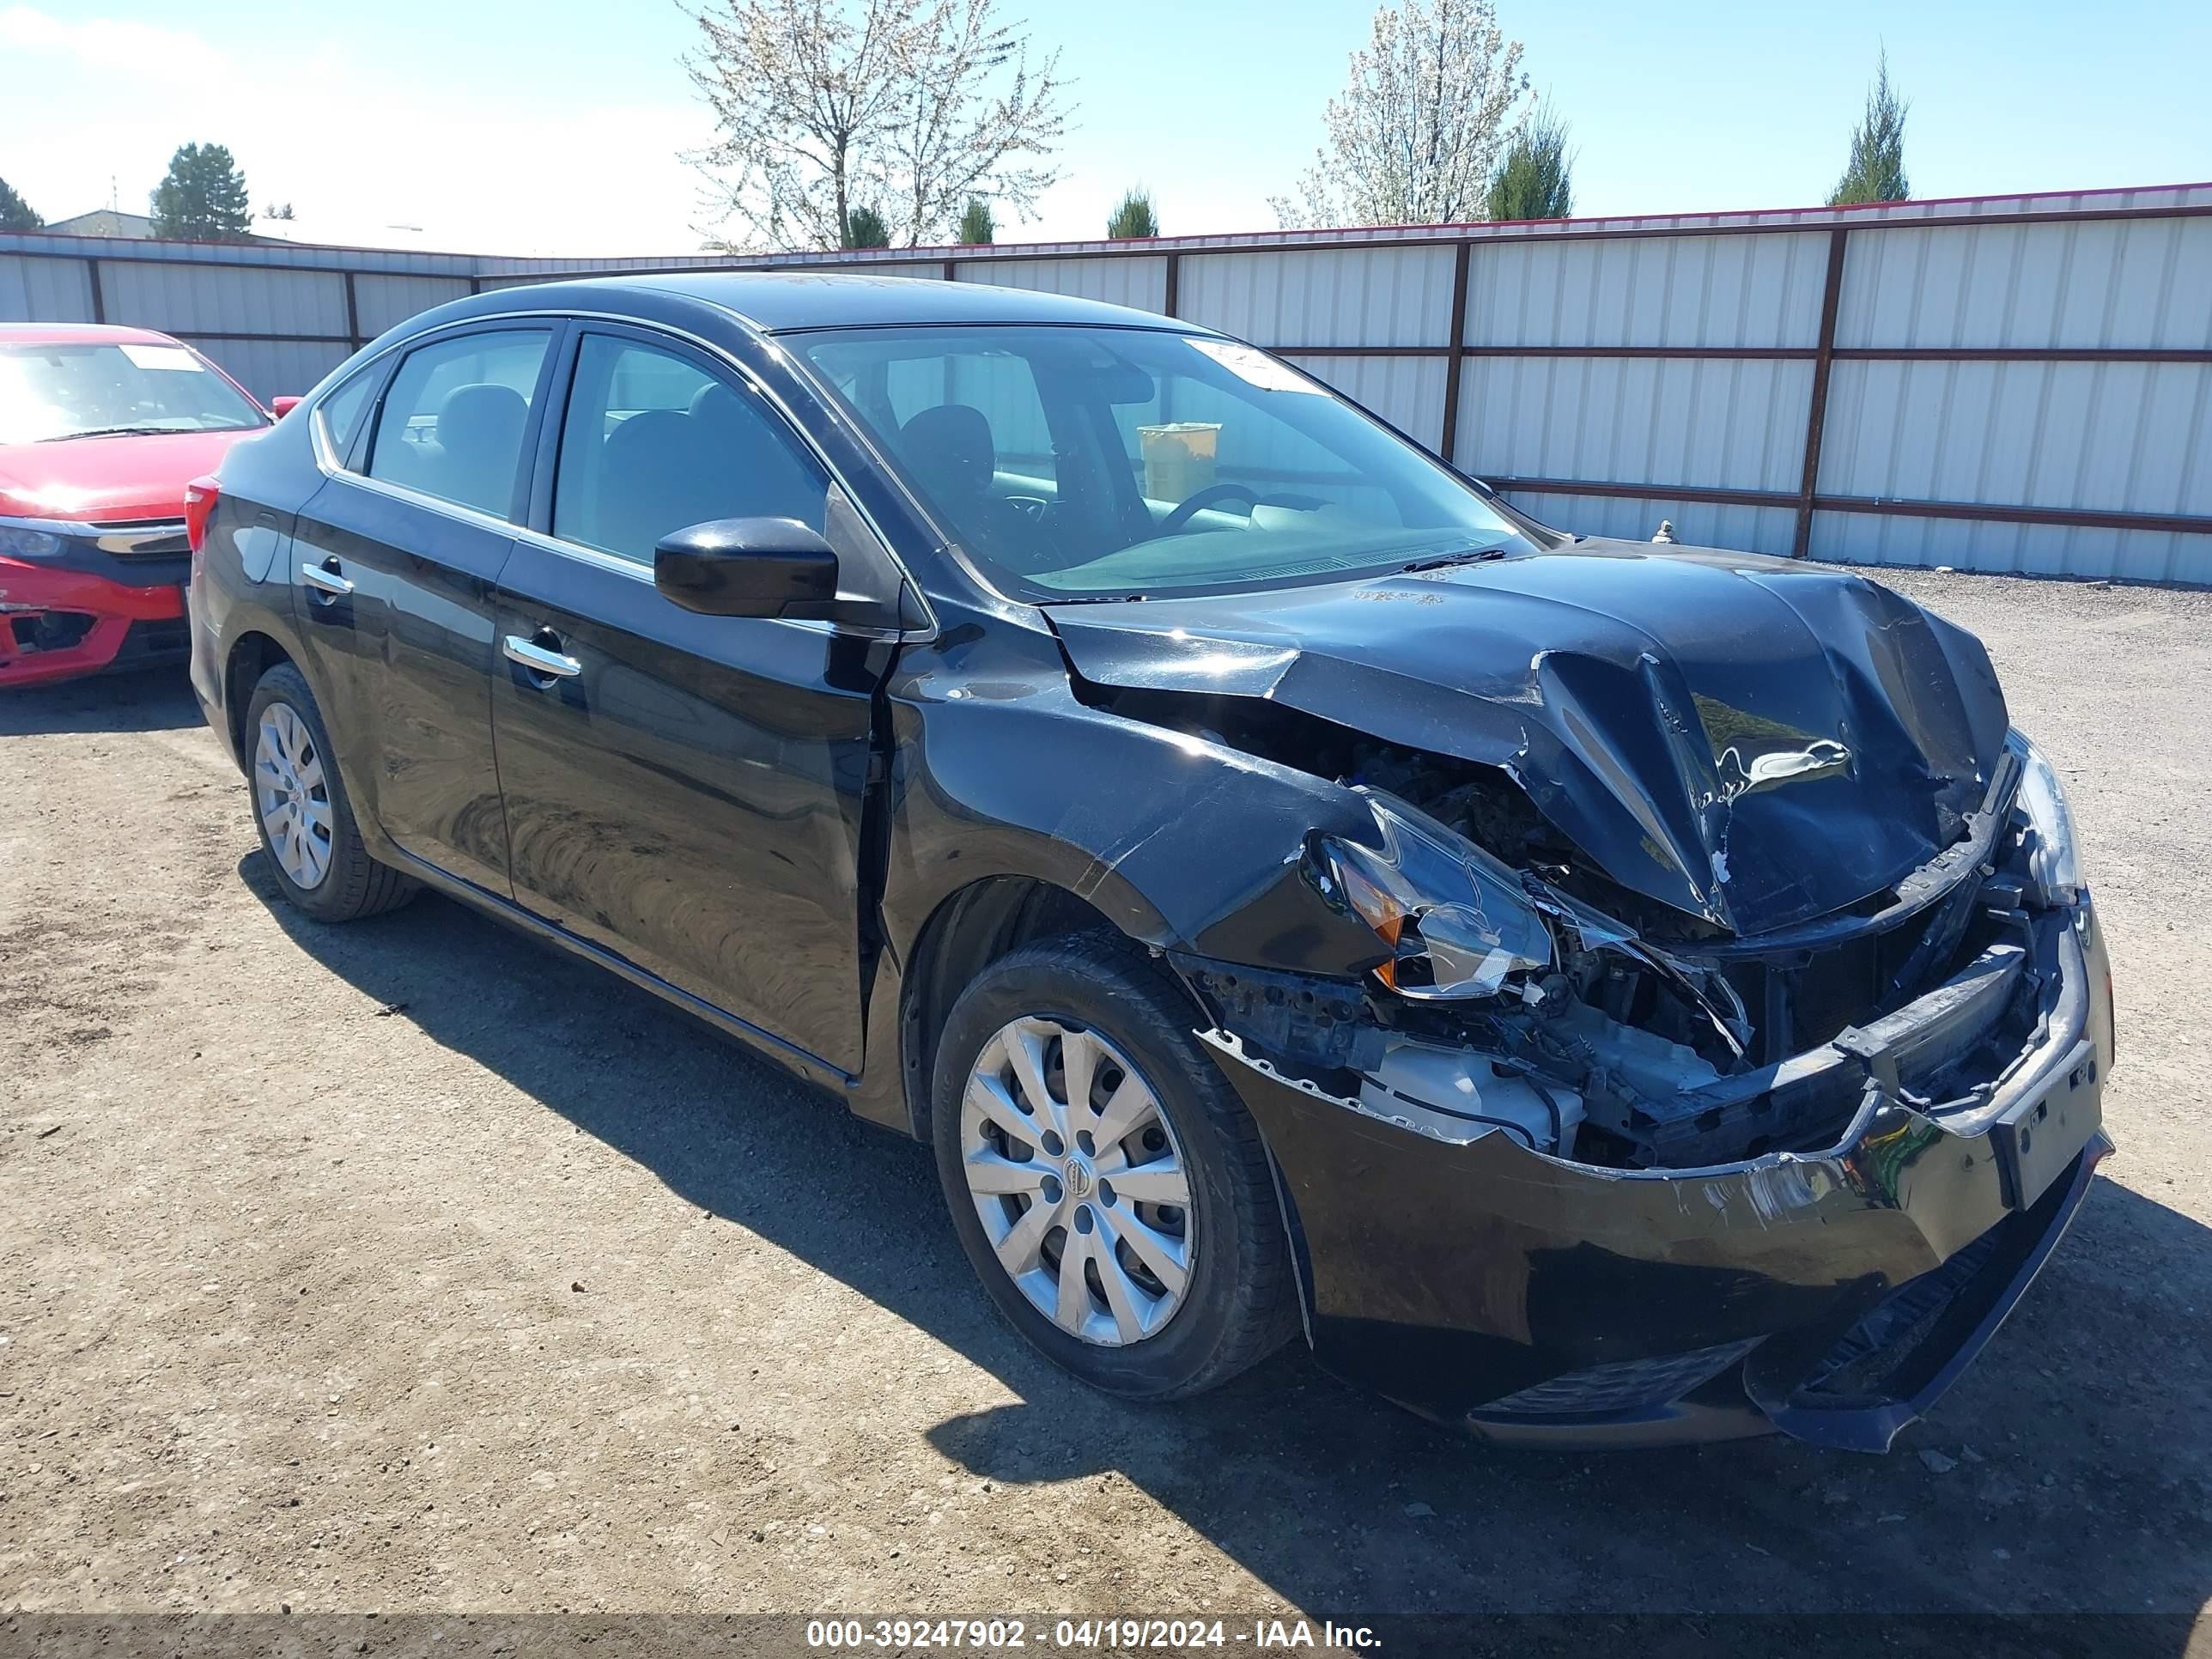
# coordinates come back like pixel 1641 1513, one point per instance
pixel 553 126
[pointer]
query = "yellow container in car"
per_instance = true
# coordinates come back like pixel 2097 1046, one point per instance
pixel 1178 458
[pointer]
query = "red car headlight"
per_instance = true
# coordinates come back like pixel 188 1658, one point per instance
pixel 23 541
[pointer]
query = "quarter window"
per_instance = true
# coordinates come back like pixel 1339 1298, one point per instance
pixel 340 414
pixel 653 442
pixel 454 420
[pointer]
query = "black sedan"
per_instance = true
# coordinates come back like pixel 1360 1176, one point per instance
pixel 1598 991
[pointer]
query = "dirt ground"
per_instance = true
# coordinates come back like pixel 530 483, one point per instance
pixel 412 1266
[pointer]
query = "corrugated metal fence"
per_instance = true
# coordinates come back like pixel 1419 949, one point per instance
pixel 2014 383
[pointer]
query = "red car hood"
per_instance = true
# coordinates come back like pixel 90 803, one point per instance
pixel 108 480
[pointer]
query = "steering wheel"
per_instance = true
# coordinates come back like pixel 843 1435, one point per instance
pixel 1192 505
pixel 1185 510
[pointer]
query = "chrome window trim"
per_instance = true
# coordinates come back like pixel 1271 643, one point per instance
pixel 318 432
pixel 457 510
pixel 552 319
pixel 578 552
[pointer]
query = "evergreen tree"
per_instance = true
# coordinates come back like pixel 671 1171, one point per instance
pixel 16 213
pixel 865 227
pixel 976 228
pixel 1877 172
pixel 1134 217
pixel 203 198
pixel 1533 180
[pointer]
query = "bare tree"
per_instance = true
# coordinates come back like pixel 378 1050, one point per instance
pixel 973 120
pixel 1415 137
pixel 820 103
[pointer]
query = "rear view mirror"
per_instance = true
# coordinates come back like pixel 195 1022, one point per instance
pixel 1118 382
pixel 745 568
pixel 280 407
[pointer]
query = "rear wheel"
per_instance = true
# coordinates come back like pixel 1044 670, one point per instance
pixel 1103 1179
pixel 299 807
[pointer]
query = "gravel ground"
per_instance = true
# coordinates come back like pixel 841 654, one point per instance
pixel 411 1266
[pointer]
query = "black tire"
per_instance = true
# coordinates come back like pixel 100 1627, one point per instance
pixel 353 884
pixel 1240 1303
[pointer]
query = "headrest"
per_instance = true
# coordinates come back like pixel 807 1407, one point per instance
pixel 473 416
pixel 949 449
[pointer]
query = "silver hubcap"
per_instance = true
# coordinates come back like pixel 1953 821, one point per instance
pixel 1076 1175
pixel 293 795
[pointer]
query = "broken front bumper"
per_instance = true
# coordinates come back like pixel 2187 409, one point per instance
pixel 1833 1296
pixel 59 622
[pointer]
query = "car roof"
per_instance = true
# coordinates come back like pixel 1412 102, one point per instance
pixel 78 334
pixel 778 301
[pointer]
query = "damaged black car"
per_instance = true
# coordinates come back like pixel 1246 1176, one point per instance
pixel 1597 993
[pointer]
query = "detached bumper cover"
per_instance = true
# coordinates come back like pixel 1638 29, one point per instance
pixel 1832 1296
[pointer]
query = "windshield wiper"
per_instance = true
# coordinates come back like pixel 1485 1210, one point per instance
pixel 127 432
pixel 1464 555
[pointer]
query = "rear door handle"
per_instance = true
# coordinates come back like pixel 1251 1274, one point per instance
pixel 324 579
pixel 539 661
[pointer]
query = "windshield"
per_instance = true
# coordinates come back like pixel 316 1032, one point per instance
pixel 1076 463
pixel 81 389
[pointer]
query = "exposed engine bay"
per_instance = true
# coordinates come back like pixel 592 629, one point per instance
pixel 1628 1035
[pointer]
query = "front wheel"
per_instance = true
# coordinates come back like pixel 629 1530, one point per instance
pixel 1103 1179
pixel 300 806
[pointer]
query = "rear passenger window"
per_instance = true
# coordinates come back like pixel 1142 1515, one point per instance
pixel 454 419
pixel 652 443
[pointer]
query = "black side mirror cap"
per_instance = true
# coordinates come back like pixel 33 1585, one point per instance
pixel 745 568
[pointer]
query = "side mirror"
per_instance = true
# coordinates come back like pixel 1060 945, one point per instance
pixel 280 407
pixel 745 568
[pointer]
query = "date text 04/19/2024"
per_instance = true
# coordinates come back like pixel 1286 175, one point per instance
pixel 1117 1633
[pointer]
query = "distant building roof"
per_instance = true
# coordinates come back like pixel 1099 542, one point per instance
pixel 137 228
pixel 105 221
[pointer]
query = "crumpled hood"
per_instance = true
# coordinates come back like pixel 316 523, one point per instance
pixel 1755 741
pixel 109 480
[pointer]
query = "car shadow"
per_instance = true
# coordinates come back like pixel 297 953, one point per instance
pixel 2071 1471
pixel 140 700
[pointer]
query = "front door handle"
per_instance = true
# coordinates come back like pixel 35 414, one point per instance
pixel 324 578
pixel 537 658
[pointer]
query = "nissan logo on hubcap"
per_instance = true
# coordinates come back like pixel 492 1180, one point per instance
pixel 1078 1179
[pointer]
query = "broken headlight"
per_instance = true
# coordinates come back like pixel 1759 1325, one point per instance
pixel 1455 919
pixel 2053 856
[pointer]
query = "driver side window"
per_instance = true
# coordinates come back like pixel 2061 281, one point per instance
pixel 652 442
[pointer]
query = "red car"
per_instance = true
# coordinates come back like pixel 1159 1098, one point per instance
pixel 101 429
